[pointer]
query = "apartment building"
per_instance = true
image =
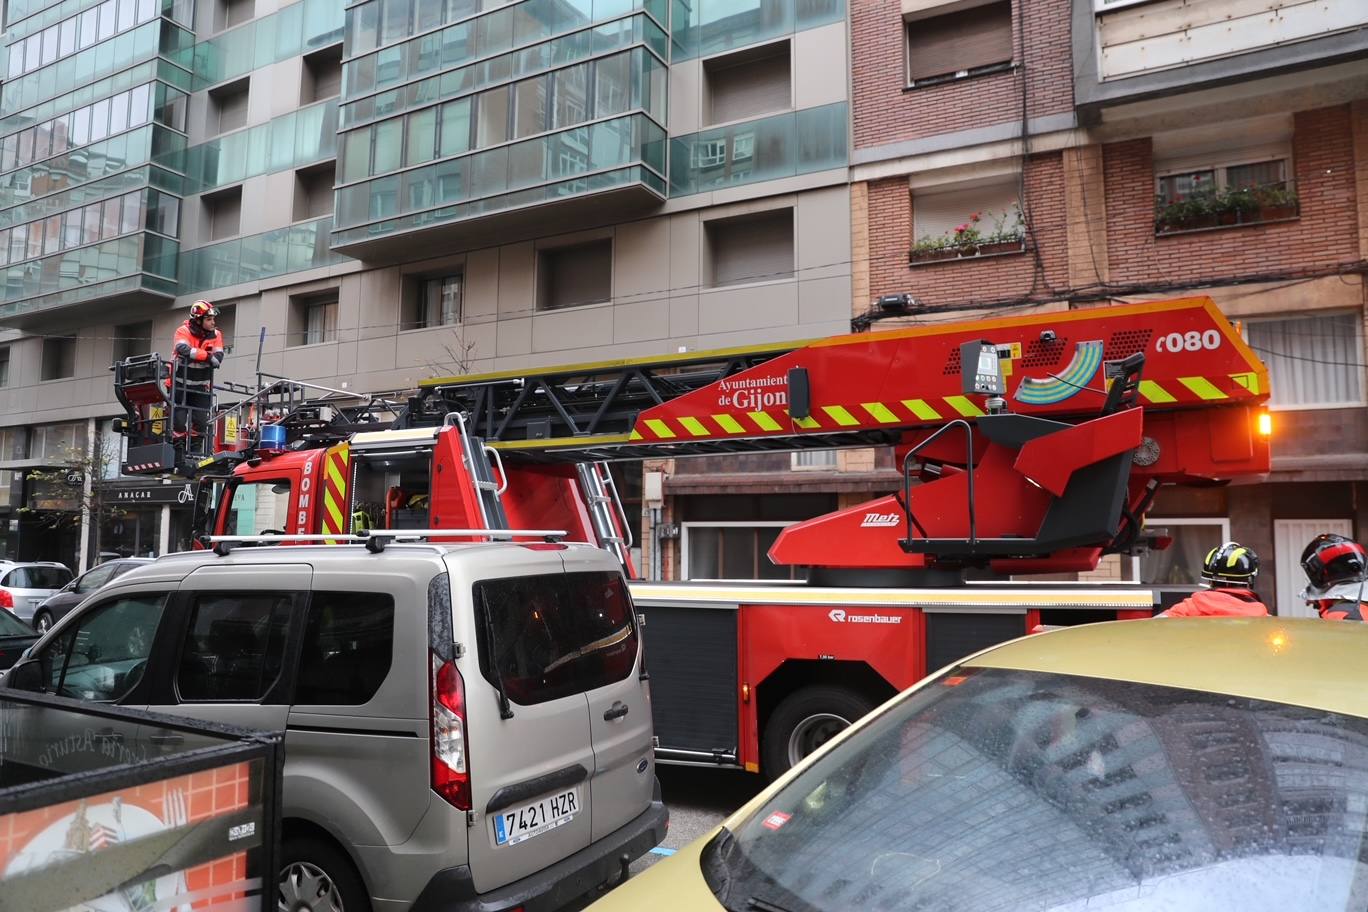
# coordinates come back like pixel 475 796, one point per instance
pixel 1220 147
pixel 380 192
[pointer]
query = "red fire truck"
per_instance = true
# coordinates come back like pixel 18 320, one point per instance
pixel 1027 445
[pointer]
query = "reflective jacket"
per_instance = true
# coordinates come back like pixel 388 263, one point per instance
pixel 193 347
pixel 1351 610
pixel 1219 603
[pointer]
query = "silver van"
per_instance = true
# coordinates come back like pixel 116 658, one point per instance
pixel 467 726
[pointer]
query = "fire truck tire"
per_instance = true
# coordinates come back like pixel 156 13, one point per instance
pixel 317 875
pixel 804 721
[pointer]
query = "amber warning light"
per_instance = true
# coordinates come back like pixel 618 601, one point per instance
pixel 1265 424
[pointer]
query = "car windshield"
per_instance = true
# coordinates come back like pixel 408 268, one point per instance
pixel 1008 791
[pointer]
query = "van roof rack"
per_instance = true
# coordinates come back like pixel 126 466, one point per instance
pixel 375 540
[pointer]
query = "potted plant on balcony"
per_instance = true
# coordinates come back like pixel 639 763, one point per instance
pixel 1236 206
pixel 1007 234
pixel 932 249
pixel 1276 201
pixel 1197 210
pixel 967 237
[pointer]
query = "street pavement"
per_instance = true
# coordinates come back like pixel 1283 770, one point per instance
pixel 699 799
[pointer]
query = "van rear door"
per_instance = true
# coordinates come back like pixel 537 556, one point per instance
pixel 530 756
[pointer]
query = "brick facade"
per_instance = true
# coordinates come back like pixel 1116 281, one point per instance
pixel 981 279
pixel 1324 235
pixel 886 111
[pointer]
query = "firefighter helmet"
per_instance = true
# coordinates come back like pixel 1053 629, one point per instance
pixel 1331 559
pixel 201 309
pixel 1231 564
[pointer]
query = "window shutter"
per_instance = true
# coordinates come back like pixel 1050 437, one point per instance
pixel 1311 360
pixel 963 40
pixel 749 88
pixel 756 248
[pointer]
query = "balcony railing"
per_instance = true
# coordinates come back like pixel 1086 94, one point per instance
pixel 1226 208
pixel 993 245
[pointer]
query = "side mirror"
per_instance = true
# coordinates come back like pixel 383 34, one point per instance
pixel 27 675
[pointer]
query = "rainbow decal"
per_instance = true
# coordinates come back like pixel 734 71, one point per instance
pixel 1058 387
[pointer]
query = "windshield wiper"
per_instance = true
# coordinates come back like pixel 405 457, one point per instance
pixel 505 710
pixel 756 904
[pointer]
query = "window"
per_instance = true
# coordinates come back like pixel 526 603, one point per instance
pixel 4 365
pixel 814 459
pixel 59 358
pixel 314 192
pixel 58 442
pixel 37 578
pixel 223 213
pixel 228 106
pixel 259 507
pixel 132 339
pixel 103 657
pixel 958 44
pixel 94 579
pixel 748 83
pixel 552 636
pixel 733 551
pixel 235 646
pixel 1180 564
pixel 14 443
pixel 348 648
pixel 574 275
pixel 750 248
pixel 233 12
pixel 313 319
pixel 1251 192
pixel 988 210
pixel 322 77
pixel 1313 361
pixel 433 301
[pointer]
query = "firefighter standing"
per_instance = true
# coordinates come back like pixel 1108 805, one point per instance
pixel 1337 575
pixel 198 349
pixel 1228 572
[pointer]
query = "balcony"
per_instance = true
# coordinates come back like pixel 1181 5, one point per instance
pixel 118 273
pixel 783 145
pixel 1127 51
pixel 603 171
pixel 1217 208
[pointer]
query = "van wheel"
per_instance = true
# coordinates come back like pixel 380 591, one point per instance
pixel 804 721
pixel 316 877
pixel 42 621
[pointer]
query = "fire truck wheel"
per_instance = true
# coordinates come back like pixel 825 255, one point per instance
pixel 804 721
pixel 316 877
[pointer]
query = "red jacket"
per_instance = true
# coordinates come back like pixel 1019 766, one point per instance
pixel 1219 603
pixel 189 346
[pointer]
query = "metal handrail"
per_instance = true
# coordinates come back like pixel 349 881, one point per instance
pixel 969 467
pixel 375 539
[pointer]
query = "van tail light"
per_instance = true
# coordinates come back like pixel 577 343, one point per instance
pixel 450 754
pixel 6 600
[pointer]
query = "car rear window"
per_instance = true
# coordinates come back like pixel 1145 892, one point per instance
pixel 37 578
pixel 554 635
pixel 348 647
pixel 12 626
pixel 1000 791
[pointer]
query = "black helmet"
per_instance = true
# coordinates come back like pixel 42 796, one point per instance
pixel 1232 564
pixel 1331 559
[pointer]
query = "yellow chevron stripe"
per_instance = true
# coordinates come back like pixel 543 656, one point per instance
pixel 1155 393
pixel 1202 387
pixel 660 428
pixel 765 422
pixel 729 424
pixel 635 435
pixel 840 415
pixel 808 424
pixel 334 513
pixel 694 426
pixel 962 405
pixel 879 412
pixel 336 474
pixel 923 411
pixel 1249 380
